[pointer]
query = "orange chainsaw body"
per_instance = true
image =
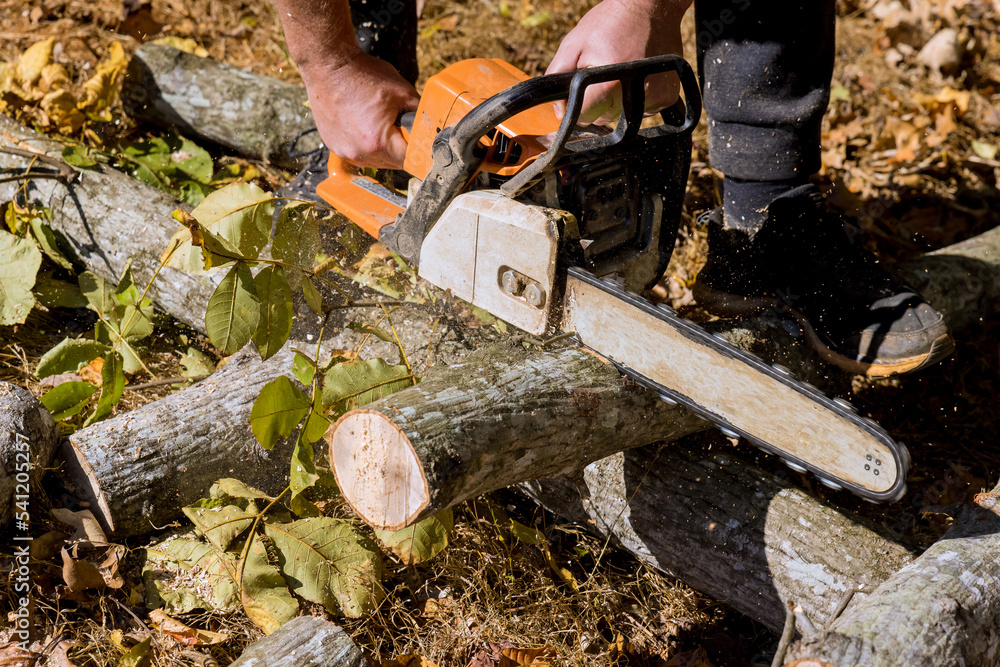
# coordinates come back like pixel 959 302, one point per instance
pixel 447 97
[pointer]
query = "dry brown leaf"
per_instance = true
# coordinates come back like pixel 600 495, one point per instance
pixel 523 657
pixel 948 96
pixel 11 655
pixel 99 91
pixel 33 61
pixel 185 44
pixel 185 634
pixel 54 76
pixel 80 575
pixel 87 527
pixel 48 545
pixel 92 372
pixel 695 658
pixel 408 660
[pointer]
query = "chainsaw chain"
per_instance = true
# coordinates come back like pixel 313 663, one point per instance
pixel 838 405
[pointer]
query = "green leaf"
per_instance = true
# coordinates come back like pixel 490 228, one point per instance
pixel 302 476
pixel 241 214
pixel 526 534
pixel 378 332
pixel 67 399
pixel 49 242
pixel 277 410
pixel 984 150
pixel 19 262
pixel 351 384
pixel 69 356
pixel 100 294
pixel 138 655
pixel 112 385
pixel 326 561
pixel 316 426
pixel 53 293
pixel 303 368
pixel 127 293
pixel 313 298
pixel 276 310
pixel 193 192
pixel 195 363
pixel 136 324
pixel 296 238
pixel 183 574
pixel 536 20
pixel 192 160
pixel 78 156
pixel 219 525
pixel 233 310
pixel 150 161
pixel 234 488
pixel 264 593
pixel 421 541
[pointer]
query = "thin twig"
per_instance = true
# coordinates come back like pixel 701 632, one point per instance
pixel 157 383
pixel 67 172
pixel 787 634
pixel 27 176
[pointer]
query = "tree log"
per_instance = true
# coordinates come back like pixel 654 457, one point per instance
pixel 499 418
pixel 254 115
pixel 306 641
pixel 105 218
pixel 941 609
pixel 28 439
pixel 139 468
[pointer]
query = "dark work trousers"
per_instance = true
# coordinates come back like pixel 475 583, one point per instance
pixel 765 69
pixel 387 29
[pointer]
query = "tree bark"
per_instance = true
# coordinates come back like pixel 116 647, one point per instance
pixel 139 468
pixel 306 641
pixel 104 219
pixel 726 527
pixel 254 115
pixel 941 609
pixel 28 439
pixel 499 418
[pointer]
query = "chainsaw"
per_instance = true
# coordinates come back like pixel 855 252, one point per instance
pixel 550 226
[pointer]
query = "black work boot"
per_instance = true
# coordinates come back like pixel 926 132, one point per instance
pixel 856 314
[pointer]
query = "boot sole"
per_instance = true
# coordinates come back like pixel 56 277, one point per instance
pixel 723 304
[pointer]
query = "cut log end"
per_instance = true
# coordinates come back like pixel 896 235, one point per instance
pixel 377 469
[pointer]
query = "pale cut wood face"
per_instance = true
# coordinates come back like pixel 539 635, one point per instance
pixel 483 235
pixel 377 469
pixel 746 398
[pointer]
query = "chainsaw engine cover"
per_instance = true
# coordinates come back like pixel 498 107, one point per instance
pixel 498 254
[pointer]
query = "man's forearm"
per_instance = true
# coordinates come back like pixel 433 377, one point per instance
pixel 318 31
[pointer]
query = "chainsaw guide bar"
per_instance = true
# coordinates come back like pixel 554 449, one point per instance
pixel 744 396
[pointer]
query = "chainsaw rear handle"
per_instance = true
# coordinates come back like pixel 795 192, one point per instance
pixel 456 157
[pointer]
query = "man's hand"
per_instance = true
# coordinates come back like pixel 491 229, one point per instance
pixel 355 98
pixel 617 31
pixel 356 105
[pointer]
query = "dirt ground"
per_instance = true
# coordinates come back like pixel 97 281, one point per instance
pixel 910 147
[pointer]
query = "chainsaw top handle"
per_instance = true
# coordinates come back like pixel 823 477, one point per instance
pixel 572 86
pixel 457 153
